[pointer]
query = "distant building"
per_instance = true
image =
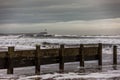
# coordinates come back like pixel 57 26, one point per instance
pixel 43 34
pixel 28 35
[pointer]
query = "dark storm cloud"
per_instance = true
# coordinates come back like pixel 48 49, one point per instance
pixel 42 11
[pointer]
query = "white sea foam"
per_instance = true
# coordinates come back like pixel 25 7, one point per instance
pixel 29 43
pixel 65 76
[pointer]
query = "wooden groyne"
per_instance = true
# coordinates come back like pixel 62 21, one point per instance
pixel 21 58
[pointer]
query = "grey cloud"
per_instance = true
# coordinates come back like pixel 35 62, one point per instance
pixel 97 27
pixel 41 11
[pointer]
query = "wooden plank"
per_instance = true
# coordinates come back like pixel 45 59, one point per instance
pixel 3 60
pixel 37 60
pixel 114 55
pixel 71 58
pixel 100 54
pixel 3 54
pixel 24 53
pixel 81 55
pixel 49 60
pixel 61 57
pixel 90 58
pixel 77 58
pixel 71 51
pixel 3 63
pixel 88 51
pixel 23 61
pixel 49 52
pixel 10 61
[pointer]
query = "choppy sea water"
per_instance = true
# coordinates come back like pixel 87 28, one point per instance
pixel 91 71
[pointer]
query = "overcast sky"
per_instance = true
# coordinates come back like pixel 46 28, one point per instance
pixel 81 17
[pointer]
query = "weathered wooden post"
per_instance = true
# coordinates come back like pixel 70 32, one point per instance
pixel 61 58
pixel 10 60
pixel 114 55
pixel 37 60
pixel 100 54
pixel 81 55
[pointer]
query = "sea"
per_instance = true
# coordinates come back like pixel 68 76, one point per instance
pixel 91 71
